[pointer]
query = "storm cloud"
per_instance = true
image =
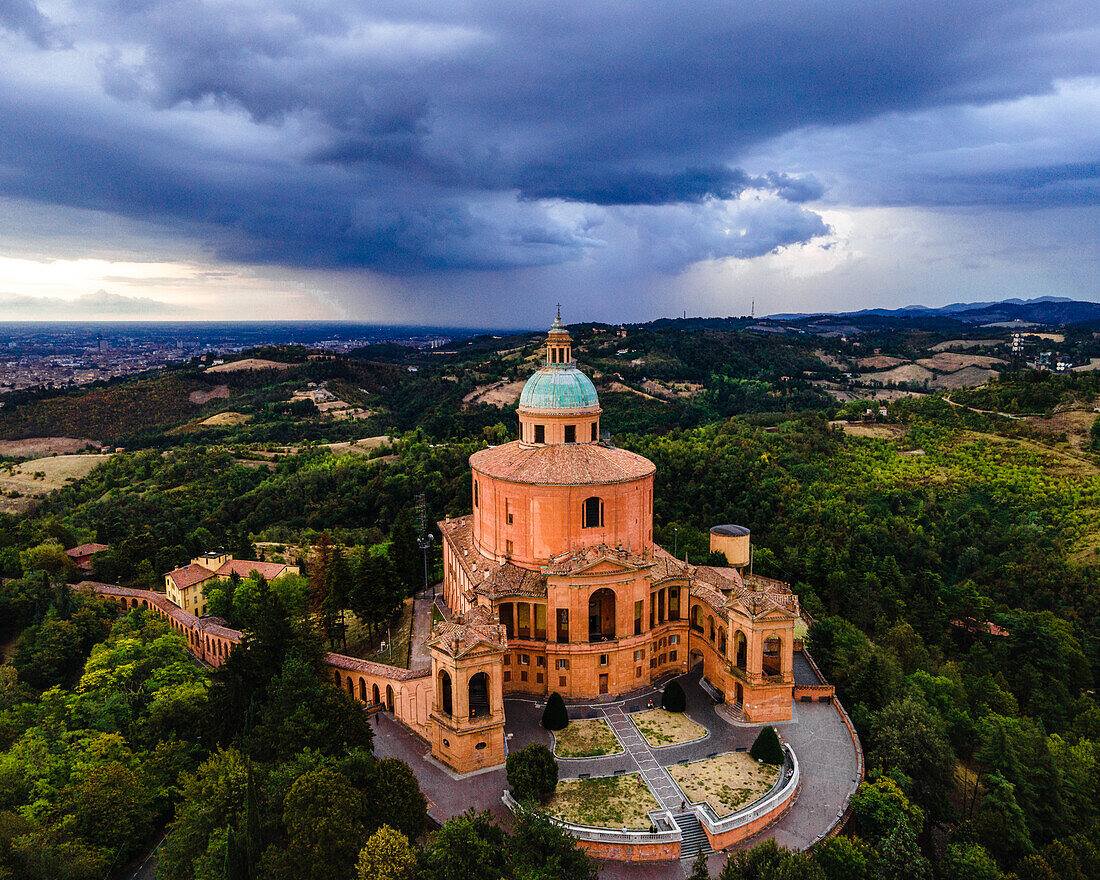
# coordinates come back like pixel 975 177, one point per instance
pixel 424 138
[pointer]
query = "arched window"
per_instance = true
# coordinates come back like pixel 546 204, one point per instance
pixel 446 701
pixel 475 493
pixel 592 514
pixel 389 697
pixel 375 697
pixel 601 615
pixel 711 622
pixel 479 696
pixel 362 690
pixel 740 650
pixel 336 677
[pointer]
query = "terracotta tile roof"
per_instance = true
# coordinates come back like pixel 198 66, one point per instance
pixel 190 575
pixel 245 567
pixel 584 558
pixel 369 667
pixel 467 632
pixel 86 550
pixel 209 626
pixel 561 464
pixel 487 576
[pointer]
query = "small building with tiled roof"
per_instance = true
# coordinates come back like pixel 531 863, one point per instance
pixel 184 586
pixel 82 554
pixel 558 550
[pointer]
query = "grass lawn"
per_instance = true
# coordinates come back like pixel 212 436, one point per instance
pixel 586 738
pixel 397 651
pixel 437 615
pixel 663 728
pixel 609 802
pixel 727 782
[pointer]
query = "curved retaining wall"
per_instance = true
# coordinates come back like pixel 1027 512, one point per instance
pixel 407 694
pixel 745 823
pixel 625 846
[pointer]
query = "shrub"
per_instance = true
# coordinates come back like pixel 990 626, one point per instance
pixel 532 773
pixel 673 698
pixel 767 747
pixel 555 716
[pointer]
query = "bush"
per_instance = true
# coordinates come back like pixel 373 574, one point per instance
pixel 555 716
pixel 673 698
pixel 532 773
pixel 767 747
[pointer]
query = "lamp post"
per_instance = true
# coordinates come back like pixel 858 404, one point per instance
pixel 424 541
pixel 675 542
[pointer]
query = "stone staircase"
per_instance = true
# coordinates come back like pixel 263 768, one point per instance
pixel 695 838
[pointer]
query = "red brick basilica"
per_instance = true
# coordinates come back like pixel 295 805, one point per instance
pixel 556 584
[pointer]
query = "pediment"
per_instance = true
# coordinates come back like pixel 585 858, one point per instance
pixel 605 566
pixel 779 615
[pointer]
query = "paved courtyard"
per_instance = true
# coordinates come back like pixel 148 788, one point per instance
pixel 816 732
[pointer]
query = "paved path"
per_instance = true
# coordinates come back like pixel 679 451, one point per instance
pixel 655 776
pixel 419 656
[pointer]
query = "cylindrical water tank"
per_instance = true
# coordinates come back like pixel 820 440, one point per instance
pixel 733 541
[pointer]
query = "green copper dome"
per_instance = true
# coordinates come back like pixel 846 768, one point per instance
pixel 559 388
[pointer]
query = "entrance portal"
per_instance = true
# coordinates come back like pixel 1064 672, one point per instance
pixel 603 683
pixel 601 615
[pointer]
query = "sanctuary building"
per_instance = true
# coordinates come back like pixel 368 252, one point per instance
pixel 556 583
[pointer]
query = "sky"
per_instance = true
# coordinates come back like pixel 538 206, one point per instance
pixel 475 163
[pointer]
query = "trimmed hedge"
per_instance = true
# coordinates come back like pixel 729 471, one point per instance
pixel 767 747
pixel 555 716
pixel 532 773
pixel 673 699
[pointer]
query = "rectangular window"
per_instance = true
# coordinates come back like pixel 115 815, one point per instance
pixel 508 509
pixel 507 675
pixel 652 662
pixel 538 678
pixel 660 606
pixel 562 664
pixel 661 662
pixel 671 656
pixel 505 611
pixel 639 655
pixel 674 640
pixel 507 659
pixel 524 659
pixel 540 433
pixel 563 624
pixel 508 548
pixel 475 493
pixel 652 612
pixel 638 617
pixel 523 676
pixel 561 681
pixel 540 622
pixel 673 603
pixel 603 659
pixel 540 660
pixel 595 436
pixel 523 620
pixel 637 671
pixel 570 433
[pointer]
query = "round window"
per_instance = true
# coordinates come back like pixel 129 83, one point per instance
pixel 479 746
pixel 447 743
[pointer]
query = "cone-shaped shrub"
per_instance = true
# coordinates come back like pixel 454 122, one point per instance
pixel 555 716
pixel 767 747
pixel 532 773
pixel 673 698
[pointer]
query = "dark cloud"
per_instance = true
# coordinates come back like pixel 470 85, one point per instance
pixel 413 137
pixel 24 17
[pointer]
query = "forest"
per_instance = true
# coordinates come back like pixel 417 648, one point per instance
pixel 947 563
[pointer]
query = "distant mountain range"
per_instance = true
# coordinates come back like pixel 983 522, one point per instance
pixel 1042 310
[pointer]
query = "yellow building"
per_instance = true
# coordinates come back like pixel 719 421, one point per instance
pixel 184 585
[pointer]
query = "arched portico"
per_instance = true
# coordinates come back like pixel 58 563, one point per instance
pixel 479 695
pixel 445 695
pixel 601 615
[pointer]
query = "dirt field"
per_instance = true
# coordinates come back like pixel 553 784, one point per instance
pixel 1076 424
pixel 727 782
pixel 663 728
pixel 226 419
pixel 968 377
pixel 586 738
pixel 606 802
pixel 221 392
pixel 36 446
pixel 361 447
pixel 879 362
pixel 912 373
pixel 499 394
pixel 249 364
pixel 884 432
pixel 40 476
pixel 964 344
pixel 949 362
pixel 619 386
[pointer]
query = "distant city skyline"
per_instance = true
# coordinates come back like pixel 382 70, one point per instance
pixel 473 164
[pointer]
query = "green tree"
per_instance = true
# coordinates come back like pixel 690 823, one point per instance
pixel 699 868
pixel 467 847
pixel 405 552
pixel 386 856
pixel 908 736
pixel 844 858
pixel 555 716
pixel 398 801
pixel 542 850
pixel 767 747
pixel 673 698
pixel 532 773
pixel 323 816
pixel 900 858
pixel 968 861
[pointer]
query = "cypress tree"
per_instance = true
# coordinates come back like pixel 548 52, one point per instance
pixel 673 699
pixel 767 747
pixel 555 716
